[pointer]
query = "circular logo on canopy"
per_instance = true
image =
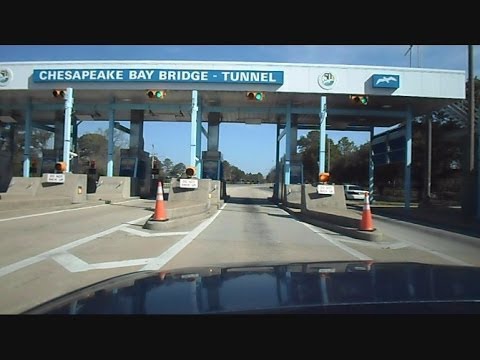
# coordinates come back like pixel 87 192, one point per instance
pixel 6 76
pixel 326 80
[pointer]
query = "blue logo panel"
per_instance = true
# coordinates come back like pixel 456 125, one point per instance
pixel 386 81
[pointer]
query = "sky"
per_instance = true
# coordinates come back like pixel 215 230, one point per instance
pixel 249 147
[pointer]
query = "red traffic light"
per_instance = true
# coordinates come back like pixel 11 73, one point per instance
pixel 60 166
pixel 58 93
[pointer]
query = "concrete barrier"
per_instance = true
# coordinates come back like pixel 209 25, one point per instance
pixel 330 208
pixel 74 188
pixel 114 187
pixel 199 195
pixel 24 186
pixel 292 196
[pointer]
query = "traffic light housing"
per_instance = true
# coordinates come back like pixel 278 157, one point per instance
pixel 156 94
pixel 324 177
pixel 190 171
pixel 255 95
pixel 59 93
pixel 60 166
pixel 359 99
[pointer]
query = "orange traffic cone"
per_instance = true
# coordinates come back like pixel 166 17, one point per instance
pixel 160 213
pixel 366 224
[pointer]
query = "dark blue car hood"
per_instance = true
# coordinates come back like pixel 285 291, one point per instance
pixel 319 287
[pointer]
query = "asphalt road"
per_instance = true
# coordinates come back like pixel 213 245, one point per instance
pixel 46 253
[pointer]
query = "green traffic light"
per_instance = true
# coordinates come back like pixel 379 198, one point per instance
pixel 364 100
pixel 158 94
pixel 259 96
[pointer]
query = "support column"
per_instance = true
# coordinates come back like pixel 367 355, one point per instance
pixel 288 144
pixel 277 162
pixel 408 159
pixel 428 168
pixel 67 128
pixel 28 140
pixel 111 129
pixel 294 136
pixel 59 133
pixel 371 169
pixel 213 131
pixel 136 130
pixel 323 133
pixel 198 163
pixel 194 130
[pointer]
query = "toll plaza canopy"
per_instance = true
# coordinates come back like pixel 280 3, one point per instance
pixel 293 96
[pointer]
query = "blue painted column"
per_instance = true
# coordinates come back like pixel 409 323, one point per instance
pixel 408 159
pixel 288 144
pixel 67 128
pixel 277 162
pixel 111 150
pixel 371 168
pixel 198 159
pixel 323 133
pixel 28 139
pixel 194 129
pixel 294 136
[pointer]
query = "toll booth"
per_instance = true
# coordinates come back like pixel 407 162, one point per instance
pixel 136 165
pixel 212 167
pixel 296 170
pixel 49 159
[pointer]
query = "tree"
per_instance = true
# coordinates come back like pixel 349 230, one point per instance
pixel 270 178
pixel 346 146
pixel 177 170
pixel 167 166
pixel 93 146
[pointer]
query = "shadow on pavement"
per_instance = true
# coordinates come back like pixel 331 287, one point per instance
pixel 250 201
pixel 449 219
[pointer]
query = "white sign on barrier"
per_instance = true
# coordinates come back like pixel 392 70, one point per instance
pixel 326 189
pixel 189 183
pixel 56 178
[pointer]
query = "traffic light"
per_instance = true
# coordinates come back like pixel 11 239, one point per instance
pixel 359 99
pixel 255 95
pixel 190 171
pixel 58 93
pixel 156 94
pixel 324 177
pixel 60 166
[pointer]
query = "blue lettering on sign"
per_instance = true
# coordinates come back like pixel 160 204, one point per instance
pixel 386 81
pixel 158 75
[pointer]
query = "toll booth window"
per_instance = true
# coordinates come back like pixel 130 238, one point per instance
pixel 127 167
pixel 141 169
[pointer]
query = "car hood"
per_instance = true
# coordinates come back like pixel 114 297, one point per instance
pixel 266 287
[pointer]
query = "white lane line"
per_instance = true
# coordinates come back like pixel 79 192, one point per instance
pixel 438 254
pixel 147 234
pixel 338 244
pixel 61 211
pixel 61 249
pixel 70 262
pixel 170 253
pixel 117 264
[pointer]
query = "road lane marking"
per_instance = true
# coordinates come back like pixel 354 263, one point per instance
pixel 70 262
pixel 62 249
pixel 73 263
pixel 147 234
pixel 439 254
pixel 338 244
pixel 171 252
pixel 61 211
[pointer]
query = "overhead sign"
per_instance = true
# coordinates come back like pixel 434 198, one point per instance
pixel 326 189
pixel 56 178
pixel 158 75
pixel 386 81
pixel 189 183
